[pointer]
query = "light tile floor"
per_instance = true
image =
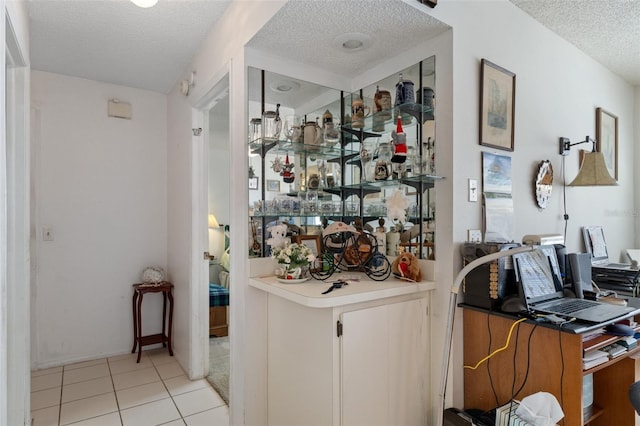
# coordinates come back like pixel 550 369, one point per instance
pixel 119 391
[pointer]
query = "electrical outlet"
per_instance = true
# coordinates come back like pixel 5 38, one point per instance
pixel 474 236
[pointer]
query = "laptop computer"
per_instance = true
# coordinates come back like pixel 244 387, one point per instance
pixel 541 289
pixel 595 244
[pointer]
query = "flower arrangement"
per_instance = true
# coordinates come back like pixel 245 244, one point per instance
pixel 295 258
pixel 294 254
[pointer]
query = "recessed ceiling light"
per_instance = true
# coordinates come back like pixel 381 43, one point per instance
pixel 284 86
pixel 352 42
pixel 144 3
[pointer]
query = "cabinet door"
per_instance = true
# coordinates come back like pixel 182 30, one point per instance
pixel 384 367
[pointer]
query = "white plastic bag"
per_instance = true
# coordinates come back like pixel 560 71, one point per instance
pixel 540 409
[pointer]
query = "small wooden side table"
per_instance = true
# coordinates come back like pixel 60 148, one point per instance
pixel 139 291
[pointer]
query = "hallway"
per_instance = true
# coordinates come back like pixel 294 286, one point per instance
pixel 118 391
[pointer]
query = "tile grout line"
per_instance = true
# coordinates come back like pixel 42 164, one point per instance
pixel 167 389
pixel 115 394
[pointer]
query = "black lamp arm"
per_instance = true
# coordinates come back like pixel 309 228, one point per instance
pixel 565 144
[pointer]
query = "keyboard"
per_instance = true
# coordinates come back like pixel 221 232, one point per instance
pixel 570 306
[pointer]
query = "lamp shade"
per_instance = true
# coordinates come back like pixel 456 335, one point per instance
pixel 593 172
pixel 213 223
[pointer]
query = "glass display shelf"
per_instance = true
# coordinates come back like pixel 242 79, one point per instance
pixel 325 152
pixel 383 122
pixel 419 181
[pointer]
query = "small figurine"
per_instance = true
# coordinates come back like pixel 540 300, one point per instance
pixel 399 143
pixel 276 164
pixel 278 236
pixel 396 206
pixel 288 176
pixel 406 267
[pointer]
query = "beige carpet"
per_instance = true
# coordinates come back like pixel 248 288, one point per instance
pixel 219 366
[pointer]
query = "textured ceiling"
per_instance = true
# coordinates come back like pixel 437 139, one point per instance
pixel 606 30
pixel 117 42
pixel 307 32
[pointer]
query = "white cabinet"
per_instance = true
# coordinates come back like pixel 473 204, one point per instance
pixel 384 365
pixel 375 373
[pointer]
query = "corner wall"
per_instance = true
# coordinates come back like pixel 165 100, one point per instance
pixel 100 187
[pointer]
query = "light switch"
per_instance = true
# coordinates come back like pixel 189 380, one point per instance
pixel 473 190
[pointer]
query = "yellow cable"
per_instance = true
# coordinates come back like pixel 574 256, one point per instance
pixel 506 345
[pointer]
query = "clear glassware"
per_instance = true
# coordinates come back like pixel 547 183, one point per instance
pixel 293 128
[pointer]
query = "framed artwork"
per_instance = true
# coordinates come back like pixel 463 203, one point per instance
pixel 253 183
pixel 607 139
pixel 497 106
pixel 273 185
pixel 311 241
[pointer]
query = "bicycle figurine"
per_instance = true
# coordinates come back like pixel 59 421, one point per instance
pixel 346 249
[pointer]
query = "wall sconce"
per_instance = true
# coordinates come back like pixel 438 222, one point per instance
pixel 593 169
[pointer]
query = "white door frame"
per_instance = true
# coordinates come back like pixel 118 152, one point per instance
pixel 15 406
pixel 200 202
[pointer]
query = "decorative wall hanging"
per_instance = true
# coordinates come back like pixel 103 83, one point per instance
pixel 497 106
pixel 253 183
pixel 498 203
pixel 607 139
pixel 543 183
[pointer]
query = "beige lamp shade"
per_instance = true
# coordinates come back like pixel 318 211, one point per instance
pixel 213 223
pixel 593 172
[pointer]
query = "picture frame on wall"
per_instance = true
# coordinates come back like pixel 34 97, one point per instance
pixel 497 106
pixel 311 241
pixel 253 183
pixel 273 185
pixel 607 139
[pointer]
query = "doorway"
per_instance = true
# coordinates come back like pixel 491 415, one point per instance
pixel 218 239
pixel 211 118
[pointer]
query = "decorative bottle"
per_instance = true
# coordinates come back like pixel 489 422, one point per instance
pixel 393 239
pixel 381 237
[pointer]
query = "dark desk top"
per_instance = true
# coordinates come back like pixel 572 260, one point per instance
pixel 575 327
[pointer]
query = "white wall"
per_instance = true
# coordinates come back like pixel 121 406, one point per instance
pixel 557 91
pixel 636 160
pixel 221 52
pixel 219 170
pixel 100 186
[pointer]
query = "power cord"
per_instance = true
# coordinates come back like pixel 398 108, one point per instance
pixel 506 345
pixel 564 198
pixel 493 388
pixel 562 370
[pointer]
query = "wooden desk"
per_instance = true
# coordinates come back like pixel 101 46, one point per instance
pixel 544 359
pixel 139 341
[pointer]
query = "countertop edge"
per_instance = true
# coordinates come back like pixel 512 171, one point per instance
pixel 336 300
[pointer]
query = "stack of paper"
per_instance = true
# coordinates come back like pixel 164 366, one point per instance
pixel 593 358
pixel 592 334
pixel 614 350
pixel 629 342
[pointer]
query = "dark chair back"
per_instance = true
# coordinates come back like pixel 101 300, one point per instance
pixel 634 396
